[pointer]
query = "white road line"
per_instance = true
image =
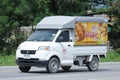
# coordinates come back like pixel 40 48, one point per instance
pixel 110 78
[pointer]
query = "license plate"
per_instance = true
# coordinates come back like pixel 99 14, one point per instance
pixel 26 56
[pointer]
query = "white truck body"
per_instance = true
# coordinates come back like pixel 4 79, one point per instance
pixel 68 51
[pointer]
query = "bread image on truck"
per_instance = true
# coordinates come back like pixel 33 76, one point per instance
pixel 91 33
pixel 64 41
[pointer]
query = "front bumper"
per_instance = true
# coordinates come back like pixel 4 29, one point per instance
pixel 31 62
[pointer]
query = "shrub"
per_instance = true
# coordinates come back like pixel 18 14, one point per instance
pixel 117 50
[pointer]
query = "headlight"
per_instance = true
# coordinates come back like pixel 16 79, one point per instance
pixel 44 48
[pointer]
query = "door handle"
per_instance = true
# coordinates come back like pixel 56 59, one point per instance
pixel 69 45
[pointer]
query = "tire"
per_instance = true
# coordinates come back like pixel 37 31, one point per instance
pixel 24 68
pixel 53 65
pixel 66 68
pixel 93 65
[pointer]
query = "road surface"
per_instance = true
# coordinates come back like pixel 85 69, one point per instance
pixel 107 71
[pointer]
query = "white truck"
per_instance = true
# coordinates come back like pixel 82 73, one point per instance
pixel 63 41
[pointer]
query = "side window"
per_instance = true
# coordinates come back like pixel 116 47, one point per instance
pixel 63 37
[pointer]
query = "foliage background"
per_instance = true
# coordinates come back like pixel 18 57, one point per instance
pixel 17 13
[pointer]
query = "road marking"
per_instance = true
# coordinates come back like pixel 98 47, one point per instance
pixel 110 78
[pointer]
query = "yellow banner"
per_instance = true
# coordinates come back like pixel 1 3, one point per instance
pixel 91 33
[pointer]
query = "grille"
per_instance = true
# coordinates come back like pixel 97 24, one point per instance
pixel 28 51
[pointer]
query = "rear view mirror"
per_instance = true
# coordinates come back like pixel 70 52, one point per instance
pixel 33 28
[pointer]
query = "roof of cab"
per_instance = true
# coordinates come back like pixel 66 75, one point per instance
pixel 55 22
pixel 59 22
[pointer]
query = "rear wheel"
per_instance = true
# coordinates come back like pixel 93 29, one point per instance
pixel 66 68
pixel 24 68
pixel 53 65
pixel 93 65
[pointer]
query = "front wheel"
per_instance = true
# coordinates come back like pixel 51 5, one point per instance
pixel 24 68
pixel 53 65
pixel 93 65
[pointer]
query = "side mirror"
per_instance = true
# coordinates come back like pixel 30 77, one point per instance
pixel 33 28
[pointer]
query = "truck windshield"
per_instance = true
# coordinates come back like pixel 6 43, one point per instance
pixel 42 35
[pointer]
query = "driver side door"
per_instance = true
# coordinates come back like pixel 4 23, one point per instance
pixel 66 46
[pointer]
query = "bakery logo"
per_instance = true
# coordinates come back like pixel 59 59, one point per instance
pixel 90 35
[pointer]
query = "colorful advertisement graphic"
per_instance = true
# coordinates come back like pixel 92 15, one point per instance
pixel 91 33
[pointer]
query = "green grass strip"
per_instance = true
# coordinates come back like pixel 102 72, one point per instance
pixel 7 60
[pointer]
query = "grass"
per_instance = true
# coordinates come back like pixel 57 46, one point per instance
pixel 9 60
pixel 112 56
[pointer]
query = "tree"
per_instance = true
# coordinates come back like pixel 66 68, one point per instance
pixel 6 23
pixel 114 12
pixel 15 14
pixel 69 7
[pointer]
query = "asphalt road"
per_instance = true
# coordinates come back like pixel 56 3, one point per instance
pixel 107 71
